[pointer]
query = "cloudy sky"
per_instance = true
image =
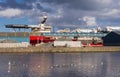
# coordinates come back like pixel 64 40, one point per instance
pixel 61 13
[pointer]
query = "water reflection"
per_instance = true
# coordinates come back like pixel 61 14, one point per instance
pixel 60 65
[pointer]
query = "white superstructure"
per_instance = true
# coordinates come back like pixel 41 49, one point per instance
pixel 85 30
pixel 41 27
pixel 64 30
pixel 112 28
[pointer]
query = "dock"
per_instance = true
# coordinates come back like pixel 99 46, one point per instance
pixel 33 49
pixel 47 49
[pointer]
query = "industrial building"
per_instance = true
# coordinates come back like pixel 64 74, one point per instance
pixel 112 39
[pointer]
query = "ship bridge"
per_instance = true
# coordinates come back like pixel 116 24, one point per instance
pixel 75 34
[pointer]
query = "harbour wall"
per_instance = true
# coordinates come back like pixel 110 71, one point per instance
pixel 11 45
pixel 39 49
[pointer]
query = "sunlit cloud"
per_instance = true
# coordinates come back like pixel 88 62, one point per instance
pixel 90 21
pixel 10 12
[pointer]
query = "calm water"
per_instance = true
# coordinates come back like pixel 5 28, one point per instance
pixel 60 65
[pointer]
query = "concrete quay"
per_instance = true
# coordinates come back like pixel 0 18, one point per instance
pixel 60 49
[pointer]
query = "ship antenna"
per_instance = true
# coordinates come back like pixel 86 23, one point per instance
pixel 44 19
pixel 42 26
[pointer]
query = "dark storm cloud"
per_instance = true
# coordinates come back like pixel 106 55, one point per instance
pixel 72 10
pixel 24 5
pixel 14 4
pixel 79 4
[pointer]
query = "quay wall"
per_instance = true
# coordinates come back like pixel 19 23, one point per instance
pixel 32 49
pixel 11 45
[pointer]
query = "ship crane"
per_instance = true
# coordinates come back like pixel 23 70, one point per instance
pixel 34 28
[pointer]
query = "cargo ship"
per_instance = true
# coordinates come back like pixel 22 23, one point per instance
pixel 36 29
pixel 36 35
pixel 42 28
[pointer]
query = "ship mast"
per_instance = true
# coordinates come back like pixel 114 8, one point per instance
pixel 42 25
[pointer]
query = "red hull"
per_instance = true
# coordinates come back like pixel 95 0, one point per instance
pixel 38 39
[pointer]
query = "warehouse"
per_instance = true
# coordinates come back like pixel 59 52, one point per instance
pixel 112 39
